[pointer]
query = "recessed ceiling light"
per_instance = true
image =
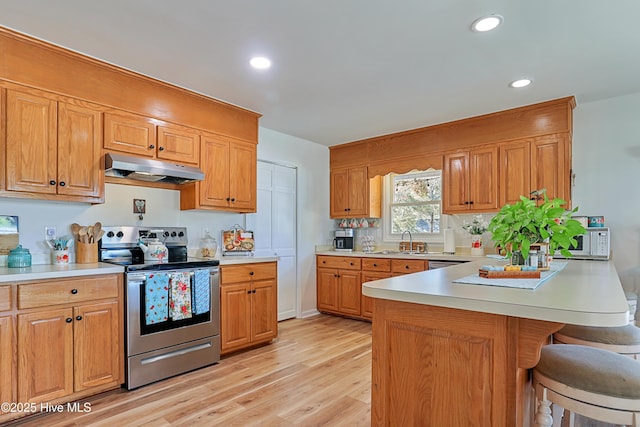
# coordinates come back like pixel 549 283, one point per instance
pixel 520 83
pixel 486 23
pixel 260 62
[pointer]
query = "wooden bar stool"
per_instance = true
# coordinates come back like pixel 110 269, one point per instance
pixel 624 340
pixel 589 381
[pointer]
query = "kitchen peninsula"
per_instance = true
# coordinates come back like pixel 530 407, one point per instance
pixel 448 353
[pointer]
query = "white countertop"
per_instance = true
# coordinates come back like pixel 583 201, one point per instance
pixel 436 256
pixel 52 271
pixel 230 260
pixel 584 293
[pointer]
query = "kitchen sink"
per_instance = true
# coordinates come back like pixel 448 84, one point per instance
pixel 405 253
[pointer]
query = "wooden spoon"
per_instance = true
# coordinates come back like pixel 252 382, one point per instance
pixel 75 230
pixel 90 234
pixel 97 229
pixel 82 233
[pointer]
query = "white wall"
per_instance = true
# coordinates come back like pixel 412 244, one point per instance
pixel 606 161
pixel 312 161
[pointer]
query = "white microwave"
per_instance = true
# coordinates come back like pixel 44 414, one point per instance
pixel 595 243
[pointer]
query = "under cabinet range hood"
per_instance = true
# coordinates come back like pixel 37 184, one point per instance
pixel 149 170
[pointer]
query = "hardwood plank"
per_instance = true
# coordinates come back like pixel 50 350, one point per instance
pixel 317 372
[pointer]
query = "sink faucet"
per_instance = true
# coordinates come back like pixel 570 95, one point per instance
pixel 410 240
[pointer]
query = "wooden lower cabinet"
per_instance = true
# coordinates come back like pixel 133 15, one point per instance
pixel 367 302
pixel 248 305
pixel 6 360
pixel 69 341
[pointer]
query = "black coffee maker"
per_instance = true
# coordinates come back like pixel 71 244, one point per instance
pixel 343 241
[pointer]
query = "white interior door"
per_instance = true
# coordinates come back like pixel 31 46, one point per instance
pixel 274 226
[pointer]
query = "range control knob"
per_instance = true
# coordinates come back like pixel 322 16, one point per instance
pixel 181 234
pixel 120 234
pixel 173 234
pixel 110 234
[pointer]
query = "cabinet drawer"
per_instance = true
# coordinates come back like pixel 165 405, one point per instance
pixel 376 264
pixel 407 265
pixel 342 262
pixel 5 298
pixel 248 272
pixel 66 291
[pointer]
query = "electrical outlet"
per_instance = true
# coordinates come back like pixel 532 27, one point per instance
pixel 50 233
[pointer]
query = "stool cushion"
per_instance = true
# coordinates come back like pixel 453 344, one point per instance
pixel 619 335
pixel 591 369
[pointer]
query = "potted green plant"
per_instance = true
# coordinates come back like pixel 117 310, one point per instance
pixel 518 226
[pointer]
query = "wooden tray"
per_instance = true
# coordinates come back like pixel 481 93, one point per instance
pixel 509 274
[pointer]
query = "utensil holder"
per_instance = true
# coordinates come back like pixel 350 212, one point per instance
pixel 86 253
pixel 60 256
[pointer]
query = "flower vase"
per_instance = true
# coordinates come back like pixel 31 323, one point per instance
pixel 477 249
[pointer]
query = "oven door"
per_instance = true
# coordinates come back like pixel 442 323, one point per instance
pixel 143 336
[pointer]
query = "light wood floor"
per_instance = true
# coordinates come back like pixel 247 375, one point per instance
pixel 317 373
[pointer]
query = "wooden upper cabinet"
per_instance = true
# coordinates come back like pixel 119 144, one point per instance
pixel 31 143
pixel 80 166
pixel 53 147
pixel 353 194
pixel 470 180
pixel 551 166
pixel 515 171
pixel 230 167
pixel 143 136
pixel 178 144
pixel 131 134
pixel 533 164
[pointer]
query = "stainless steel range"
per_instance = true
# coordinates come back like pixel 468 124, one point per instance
pixel 172 306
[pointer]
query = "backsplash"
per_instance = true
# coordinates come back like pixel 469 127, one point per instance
pixel 162 209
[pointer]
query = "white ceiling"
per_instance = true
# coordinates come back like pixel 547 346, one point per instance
pixel 351 69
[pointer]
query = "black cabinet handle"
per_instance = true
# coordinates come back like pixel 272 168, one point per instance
pixel 78 317
pixel 161 149
pixel 251 273
pixel 62 184
pixel 406 267
pixel 249 291
pixel 52 182
pixel 228 199
pixel 233 199
pixel 68 320
pixel 466 202
pixel 74 291
pixel 375 265
pixel 471 202
pixel 350 263
pixel 254 291
pixel 152 146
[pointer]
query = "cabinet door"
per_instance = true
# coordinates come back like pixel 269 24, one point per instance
pixel 80 169
pixel 358 189
pixel 45 355
pixel 178 145
pixel 31 143
pixel 483 179
pixel 551 167
pixel 327 289
pixel 349 291
pixel 242 176
pixel 7 354
pixel 235 314
pixel 214 190
pixel 515 171
pixel 455 182
pixel 97 350
pixel 264 317
pixel 339 203
pixel 367 302
pixel 130 134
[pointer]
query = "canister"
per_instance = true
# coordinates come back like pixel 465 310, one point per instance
pixel 19 257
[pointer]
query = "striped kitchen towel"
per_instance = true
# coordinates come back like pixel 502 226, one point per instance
pixel 201 292
pixel 156 298
pixel 180 303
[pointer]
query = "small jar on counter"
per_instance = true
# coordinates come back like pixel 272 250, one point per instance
pixel 19 257
pixel 533 258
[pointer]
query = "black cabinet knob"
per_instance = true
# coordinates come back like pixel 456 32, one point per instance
pixel 228 199
pixel 249 291
pixel 471 202
pixel 68 320
pixel 152 146
pixel 251 273
pixel 52 182
pixel 161 148
pixel 254 291
pixel 375 265
pixel 233 199
pixel 62 184
pixel 406 267
pixel 74 291
pixel 78 317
